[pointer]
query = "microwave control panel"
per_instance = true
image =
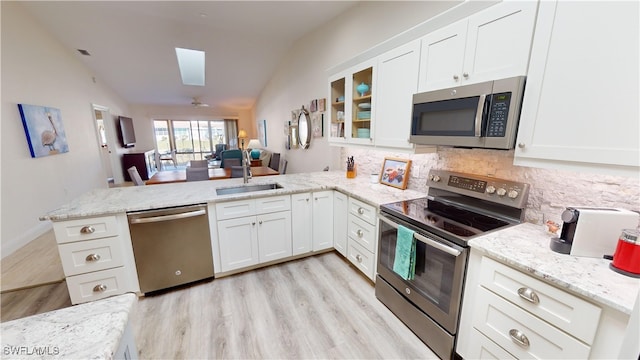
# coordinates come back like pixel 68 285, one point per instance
pixel 497 121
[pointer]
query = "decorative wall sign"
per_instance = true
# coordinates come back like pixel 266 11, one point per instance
pixel 317 124
pixel 395 172
pixel 44 130
pixel 262 132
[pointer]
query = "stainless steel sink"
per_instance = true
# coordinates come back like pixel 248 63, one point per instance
pixel 247 188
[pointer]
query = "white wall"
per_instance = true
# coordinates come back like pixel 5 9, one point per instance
pixel 302 77
pixel 38 70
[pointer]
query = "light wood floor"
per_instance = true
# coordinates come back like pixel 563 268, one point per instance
pixel 317 307
pixel 34 264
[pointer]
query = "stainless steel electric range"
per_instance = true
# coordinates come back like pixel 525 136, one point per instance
pixel 458 208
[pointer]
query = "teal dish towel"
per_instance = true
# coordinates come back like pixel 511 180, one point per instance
pixel 404 263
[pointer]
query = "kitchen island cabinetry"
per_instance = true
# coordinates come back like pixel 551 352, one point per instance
pixel 253 231
pixel 580 108
pixel 97 257
pixel 491 44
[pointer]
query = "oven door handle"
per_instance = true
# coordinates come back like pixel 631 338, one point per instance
pixel 449 250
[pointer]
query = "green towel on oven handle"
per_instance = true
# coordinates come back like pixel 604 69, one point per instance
pixel 404 263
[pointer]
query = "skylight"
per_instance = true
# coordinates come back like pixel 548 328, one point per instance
pixel 191 63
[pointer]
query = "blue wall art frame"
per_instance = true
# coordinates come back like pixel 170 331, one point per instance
pixel 44 130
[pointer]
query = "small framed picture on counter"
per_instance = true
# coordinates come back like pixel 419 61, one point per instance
pixel 395 172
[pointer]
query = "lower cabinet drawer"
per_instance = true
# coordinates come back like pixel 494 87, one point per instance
pixel 481 347
pixel 97 285
pixel 92 255
pixel 522 334
pixel 361 258
pixel 362 232
pixel 85 229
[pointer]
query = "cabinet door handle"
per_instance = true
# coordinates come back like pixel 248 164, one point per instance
pixel 87 229
pixel 521 145
pixel 455 77
pixel 519 338
pixel 253 223
pixel 359 258
pixel 92 257
pixel 100 288
pixel 260 222
pixel 359 233
pixel 529 295
pixel 360 211
pixel 465 74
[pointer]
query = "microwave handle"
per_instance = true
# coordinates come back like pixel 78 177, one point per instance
pixel 479 112
pixel 426 240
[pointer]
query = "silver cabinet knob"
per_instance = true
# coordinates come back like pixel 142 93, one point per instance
pixel 519 338
pixel 253 223
pixel 87 229
pixel 360 211
pixel 260 222
pixel 100 288
pixel 359 258
pixel 92 257
pixel 465 74
pixel 529 295
pixel 307 199
pixel 456 77
pixel 360 233
pixel 521 145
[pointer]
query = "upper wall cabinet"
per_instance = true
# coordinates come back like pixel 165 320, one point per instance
pixel 489 45
pixel 580 106
pixel 351 119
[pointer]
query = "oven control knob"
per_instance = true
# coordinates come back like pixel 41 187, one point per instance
pixel 501 192
pixel 513 194
pixel 491 189
pixel 435 178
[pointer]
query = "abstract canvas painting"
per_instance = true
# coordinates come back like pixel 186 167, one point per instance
pixel 44 130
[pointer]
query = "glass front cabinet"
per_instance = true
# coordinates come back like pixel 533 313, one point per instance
pixel 352 111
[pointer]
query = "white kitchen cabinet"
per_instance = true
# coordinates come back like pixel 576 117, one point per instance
pixel 362 229
pixel 491 44
pixel 97 257
pixel 340 220
pixel 506 311
pixel 322 224
pixel 580 108
pixel 253 231
pixel 397 82
pixel 352 113
pixel 301 215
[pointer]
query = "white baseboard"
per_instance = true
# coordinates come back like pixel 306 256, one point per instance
pixel 9 247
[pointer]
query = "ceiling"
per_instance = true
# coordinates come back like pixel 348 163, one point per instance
pixel 132 44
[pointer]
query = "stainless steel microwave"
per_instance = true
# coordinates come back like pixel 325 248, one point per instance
pixel 483 115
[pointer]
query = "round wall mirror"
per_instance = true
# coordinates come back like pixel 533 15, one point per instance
pixel 304 129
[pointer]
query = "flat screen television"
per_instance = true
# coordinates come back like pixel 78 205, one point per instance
pixel 127 134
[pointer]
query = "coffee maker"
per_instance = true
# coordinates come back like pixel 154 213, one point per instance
pixel 592 232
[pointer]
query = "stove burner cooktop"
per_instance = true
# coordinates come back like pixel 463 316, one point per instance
pixel 426 213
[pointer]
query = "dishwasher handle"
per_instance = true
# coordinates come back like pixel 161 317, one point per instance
pixel 170 217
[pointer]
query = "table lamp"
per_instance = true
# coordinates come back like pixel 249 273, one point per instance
pixel 254 145
pixel 242 135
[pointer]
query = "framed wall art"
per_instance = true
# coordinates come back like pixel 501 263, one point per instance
pixel 395 172
pixel 262 132
pixel 44 130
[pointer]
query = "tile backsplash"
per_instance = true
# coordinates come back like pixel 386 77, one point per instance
pixel 551 190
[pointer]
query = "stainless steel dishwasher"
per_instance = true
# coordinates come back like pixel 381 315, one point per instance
pixel 171 246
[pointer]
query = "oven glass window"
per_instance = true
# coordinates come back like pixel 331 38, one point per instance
pixel 446 118
pixel 434 269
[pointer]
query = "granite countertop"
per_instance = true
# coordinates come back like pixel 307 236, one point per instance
pixel 134 198
pixel 526 247
pixel 87 331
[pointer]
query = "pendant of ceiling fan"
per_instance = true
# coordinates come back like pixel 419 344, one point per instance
pixel 197 103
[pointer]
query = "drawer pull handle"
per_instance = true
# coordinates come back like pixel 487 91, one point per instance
pixel 92 257
pixel 359 258
pixel 519 338
pixel 100 288
pixel 360 211
pixel 359 233
pixel 528 295
pixel 87 229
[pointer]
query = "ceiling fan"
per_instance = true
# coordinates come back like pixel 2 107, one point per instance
pixel 197 103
